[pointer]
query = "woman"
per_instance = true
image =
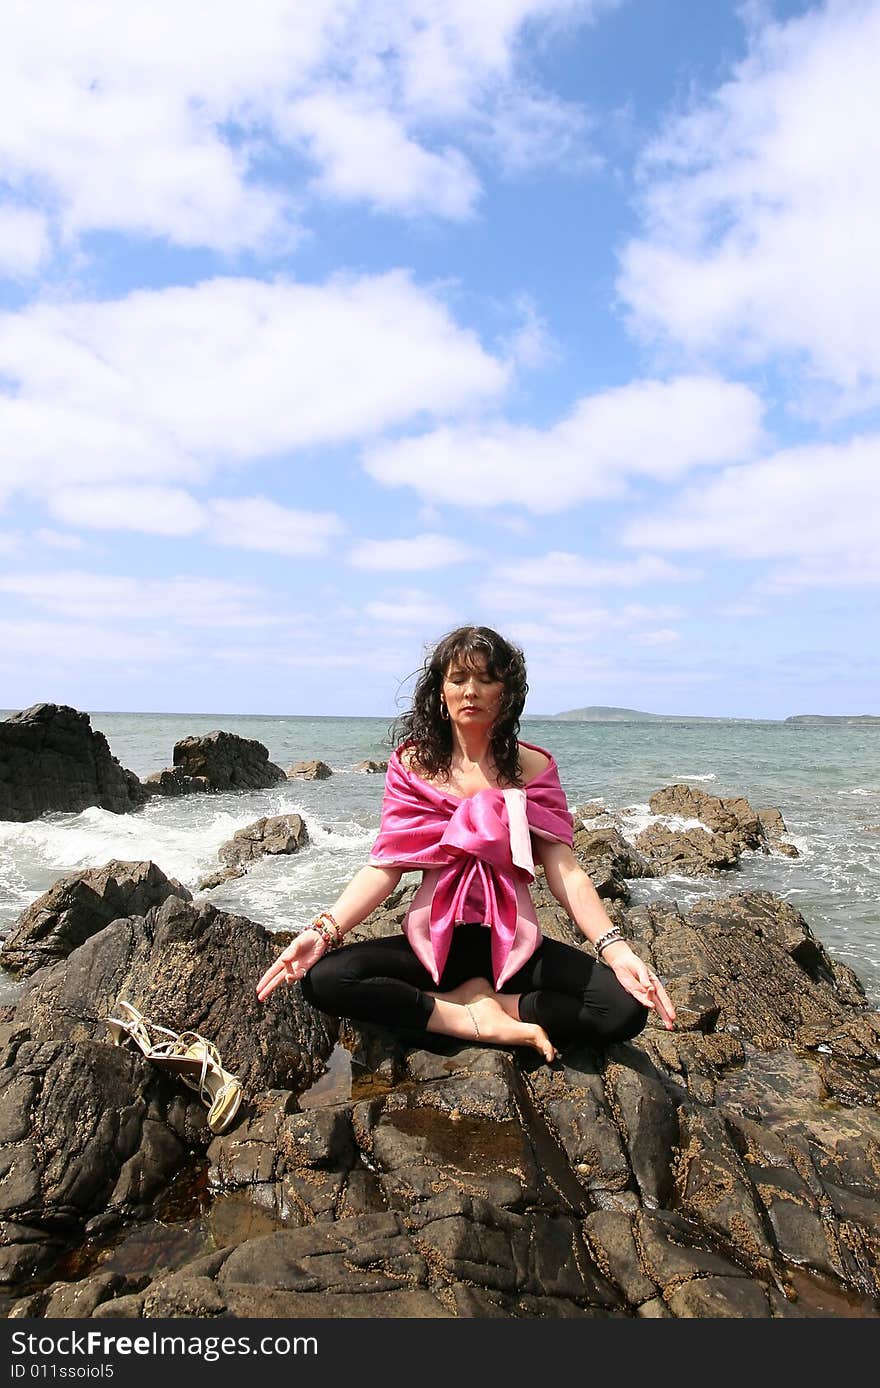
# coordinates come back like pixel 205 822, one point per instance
pixel 475 809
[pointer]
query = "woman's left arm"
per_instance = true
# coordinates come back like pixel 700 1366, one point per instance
pixel 576 894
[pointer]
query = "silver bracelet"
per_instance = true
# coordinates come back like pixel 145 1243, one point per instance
pixel 609 938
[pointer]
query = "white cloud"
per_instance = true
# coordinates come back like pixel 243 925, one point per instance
pixel 365 154
pixel 154 118
pixel 559 569
pixel 24 241
pixel 428 551
pixel 61 643
pixel 655 429
pixel 242 522
pixel 854 569
pixel 410 609
pixel 258 523
pixel 740 609
pixel 103 598
pixel 662 636
pixel 531 345
pixel 817 505
pixel 149 510
pixel 762 207
pixel 57 539
pixel 167 386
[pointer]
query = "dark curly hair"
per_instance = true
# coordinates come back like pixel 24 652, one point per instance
pixel 431 736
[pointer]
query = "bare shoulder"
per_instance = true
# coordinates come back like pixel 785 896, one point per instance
pixel 532 762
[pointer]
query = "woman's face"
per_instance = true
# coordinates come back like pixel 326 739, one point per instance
pixel 472 696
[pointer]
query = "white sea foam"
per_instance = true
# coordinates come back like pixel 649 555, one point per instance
pixel 687 776
pixel 635 818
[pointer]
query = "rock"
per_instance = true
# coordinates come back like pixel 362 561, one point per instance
pixel 218 761
pixel 92 1133
pixel 280 833
pixel 78 906
pixel 774 827
pixel 608 859
pixel 216 879
pixel 691 852
pixel 172 782
pixel 731 818
pixel 705 1172
pixel 370 767
pixel 592 810
pixel 309 771
pixel 274 834
pixel 52 760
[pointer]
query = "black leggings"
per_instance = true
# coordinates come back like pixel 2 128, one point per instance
pixel 570 994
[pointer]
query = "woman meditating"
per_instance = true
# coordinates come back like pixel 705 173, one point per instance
pixel 475 809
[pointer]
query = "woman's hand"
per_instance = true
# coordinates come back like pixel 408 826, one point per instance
pixel 638 980
pixel 293 962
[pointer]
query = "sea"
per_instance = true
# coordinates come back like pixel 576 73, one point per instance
pixel 824 778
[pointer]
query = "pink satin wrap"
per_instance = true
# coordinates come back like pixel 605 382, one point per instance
pixel 483 838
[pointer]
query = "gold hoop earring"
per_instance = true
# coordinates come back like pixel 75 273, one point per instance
pixel 444 711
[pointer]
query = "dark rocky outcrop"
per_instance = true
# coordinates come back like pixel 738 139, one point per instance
pixel 309 771
pixel 92 1133
pixel 218 761
pixel 691 852
pixel 728 1168
pixel 78 906
pixel 51 759
pixel 273 834
pixel 371 767
pixel 729 818
pixel 280 833
pixel 605 854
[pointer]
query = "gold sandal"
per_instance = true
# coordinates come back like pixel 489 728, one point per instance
pixel 197 1062
pixel 135 1027
pixel 186 1054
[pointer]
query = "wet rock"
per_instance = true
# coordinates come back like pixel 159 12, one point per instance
pixel 92 1132
pixel 77 906
pixel 732 818
pixel 51 759
pixel 370 768
pixel 691 852
pixel 217 761
pixel 309 771
pixel 216 879
pixel 273 834
pixel 693 1173
pixel 174 782
pixel 606 856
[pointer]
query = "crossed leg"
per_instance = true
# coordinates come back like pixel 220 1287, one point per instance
pixel 475 1011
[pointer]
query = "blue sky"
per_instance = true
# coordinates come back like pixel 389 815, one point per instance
pixel 326 328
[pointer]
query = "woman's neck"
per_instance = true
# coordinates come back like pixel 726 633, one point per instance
pixel 470 747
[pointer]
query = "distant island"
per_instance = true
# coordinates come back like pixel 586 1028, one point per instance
pixel 833 718
pixel 600 713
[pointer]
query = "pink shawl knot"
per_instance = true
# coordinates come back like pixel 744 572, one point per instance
pixel 484 838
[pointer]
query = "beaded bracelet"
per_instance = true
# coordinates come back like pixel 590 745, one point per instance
pixel 609 938
pixel 325 926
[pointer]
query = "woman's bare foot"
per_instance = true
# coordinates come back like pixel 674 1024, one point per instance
pixel 473 1007
pixel 497 1025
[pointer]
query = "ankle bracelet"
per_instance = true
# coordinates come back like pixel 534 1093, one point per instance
pixel 473 1019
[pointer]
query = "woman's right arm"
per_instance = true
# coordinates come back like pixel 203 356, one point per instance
pixel 367 889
